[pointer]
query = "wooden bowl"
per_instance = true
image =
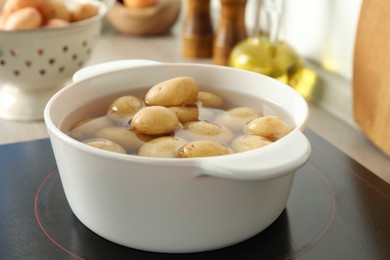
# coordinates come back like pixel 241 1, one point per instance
pixel 153 20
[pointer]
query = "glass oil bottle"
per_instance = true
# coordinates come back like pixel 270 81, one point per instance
pixel 265 53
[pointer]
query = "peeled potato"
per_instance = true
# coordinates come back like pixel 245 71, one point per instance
pixel 186 113
pixel 11 6
pixel 249 142
pixel 203 149
pixel 88 127
pixel 56 23
pixel 105 145
pixel 49 11
pixel 236 118
pixel 23 19
pixel 2 21
pixel 209 114
pixel 209 99
pixel 164 147
pixel 178 91
pixel 139 3
pixel 205 130
pixel 154 120
pixel 124 137
pixel 270 127
pixel 83 11
pixel 171 122
pixel 124 107
pixel 55 9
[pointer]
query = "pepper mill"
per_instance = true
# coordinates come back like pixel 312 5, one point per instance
pixel 197 31
pixel 231 29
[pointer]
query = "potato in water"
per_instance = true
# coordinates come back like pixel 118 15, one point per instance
pixel 205 130
pixel 186 113
pixel 249 142
pixel 203 149
pixel 209 99
pixel 270 127
pixel 178 91
pixel 124 107
pixel 105 145
pixel 154 120
pixel 178 120
pixel 164 147
pixel 124 136
pixel 236 118
pixel 88 127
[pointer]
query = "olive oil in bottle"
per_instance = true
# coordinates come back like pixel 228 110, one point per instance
pixel 264 53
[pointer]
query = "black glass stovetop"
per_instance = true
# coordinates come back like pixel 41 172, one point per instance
pixel 337 210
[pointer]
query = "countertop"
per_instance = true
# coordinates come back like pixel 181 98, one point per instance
pixel 167 48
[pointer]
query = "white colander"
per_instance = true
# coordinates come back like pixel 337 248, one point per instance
pixel 34 64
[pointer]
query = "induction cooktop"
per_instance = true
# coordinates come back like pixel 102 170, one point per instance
pixel 337 210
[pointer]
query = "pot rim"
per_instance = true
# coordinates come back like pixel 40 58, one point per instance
pixel 208 166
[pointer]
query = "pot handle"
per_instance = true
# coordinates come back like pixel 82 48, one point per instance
pixel 97 69
pixel 284 156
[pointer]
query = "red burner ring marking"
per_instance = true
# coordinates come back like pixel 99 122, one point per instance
pixel 330 220
pixel 40 223
pixel 297 253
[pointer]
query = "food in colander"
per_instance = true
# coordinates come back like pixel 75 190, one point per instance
pixel 23 19
pixel 153 125
pixel 139 3
pixel 35 14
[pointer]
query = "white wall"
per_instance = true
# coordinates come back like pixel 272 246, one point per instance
pixel 324 30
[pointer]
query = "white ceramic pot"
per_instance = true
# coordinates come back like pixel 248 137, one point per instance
pixel 176 205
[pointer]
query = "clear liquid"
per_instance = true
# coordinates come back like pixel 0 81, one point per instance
pixel 99 107
pixel 98 110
